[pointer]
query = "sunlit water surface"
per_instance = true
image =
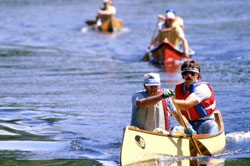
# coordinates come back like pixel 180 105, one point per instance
pixel 65 93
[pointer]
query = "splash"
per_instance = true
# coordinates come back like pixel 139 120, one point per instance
pixel 238 136
pixel 108 163
pixel 125 29
pixel 84 30
pixel 243 57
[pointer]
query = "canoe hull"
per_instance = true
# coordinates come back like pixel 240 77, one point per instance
pixel 166 53
pixel 109 24
pixel 141 145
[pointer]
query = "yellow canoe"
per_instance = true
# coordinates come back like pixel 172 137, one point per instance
pixel 142 145
pixel 109 24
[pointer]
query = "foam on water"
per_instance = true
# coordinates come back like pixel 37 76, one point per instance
pixel 32 145
pixel 243 57
pixel 84 29
pixel 108 163
pixel 238 136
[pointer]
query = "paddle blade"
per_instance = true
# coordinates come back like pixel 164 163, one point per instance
pixel 90 22
pixel 146 57
pixel 194 151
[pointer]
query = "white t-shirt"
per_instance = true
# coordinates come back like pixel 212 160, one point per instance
pixel 201 92
pixel 180 32
pixel 112 10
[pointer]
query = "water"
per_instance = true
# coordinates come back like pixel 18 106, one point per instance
pixel 65 95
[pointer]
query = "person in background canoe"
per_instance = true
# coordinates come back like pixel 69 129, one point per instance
pixel 173 32
pixel 178 19
pixel 106 10
pixel 151 107
pixel 196 99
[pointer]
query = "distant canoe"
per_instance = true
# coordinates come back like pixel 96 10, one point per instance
pixel 166 53
pixel 109 24
pixel 141 145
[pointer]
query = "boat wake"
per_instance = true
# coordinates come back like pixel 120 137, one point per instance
pixel 125 29
pixel 183 161
pixel 243 57
pixel 238 136
pixel 84 29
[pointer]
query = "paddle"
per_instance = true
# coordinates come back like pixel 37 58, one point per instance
pixel 199 147
pixel 146 56
pixel 90 22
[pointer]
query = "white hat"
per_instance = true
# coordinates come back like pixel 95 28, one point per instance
pixel 105 1
pixel 196 70
pixel 170 15
pixel 152 79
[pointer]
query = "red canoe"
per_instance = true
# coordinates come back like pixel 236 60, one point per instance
pixel 166 53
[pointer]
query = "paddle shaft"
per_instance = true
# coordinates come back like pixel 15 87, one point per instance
pixel 186 128
pixel 153 37
pixel 146 56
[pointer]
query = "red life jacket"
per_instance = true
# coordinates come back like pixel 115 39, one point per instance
pixel 164 104
pixel 165 113
pixel 206 107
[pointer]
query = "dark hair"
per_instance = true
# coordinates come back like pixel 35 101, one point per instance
pixel 192 64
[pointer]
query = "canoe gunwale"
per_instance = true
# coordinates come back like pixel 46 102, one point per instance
pixel 218 119
pixel 164 43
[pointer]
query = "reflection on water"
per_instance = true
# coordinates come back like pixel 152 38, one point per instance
pixel 173 161
pixel 62 162
pixel 182 161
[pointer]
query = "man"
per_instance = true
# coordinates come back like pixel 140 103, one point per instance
pixel 151 107
pixel 106 10
pixel 196 99
pixel 173 32
pixel 178 19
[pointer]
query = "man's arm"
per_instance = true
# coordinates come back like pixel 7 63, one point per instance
pixel 189 102
pixel 104 12
pixel 161 17
pixel 178 119
pixel 185 46
pixel 165 30
pixel 183 41
pixel 201 93
pixel 174 112
pixel 148 102
pixel 111 11
pixel 153 42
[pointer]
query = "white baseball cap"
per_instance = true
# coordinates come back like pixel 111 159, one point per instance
pixel 152 79
pixel 170 15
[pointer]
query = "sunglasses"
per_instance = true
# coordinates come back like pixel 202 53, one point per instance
pixel 185 73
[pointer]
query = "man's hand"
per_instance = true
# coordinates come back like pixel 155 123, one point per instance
pixel 150 46
pixel 167 93
pixel 190 131
pixel 186 54
pixel 161 17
